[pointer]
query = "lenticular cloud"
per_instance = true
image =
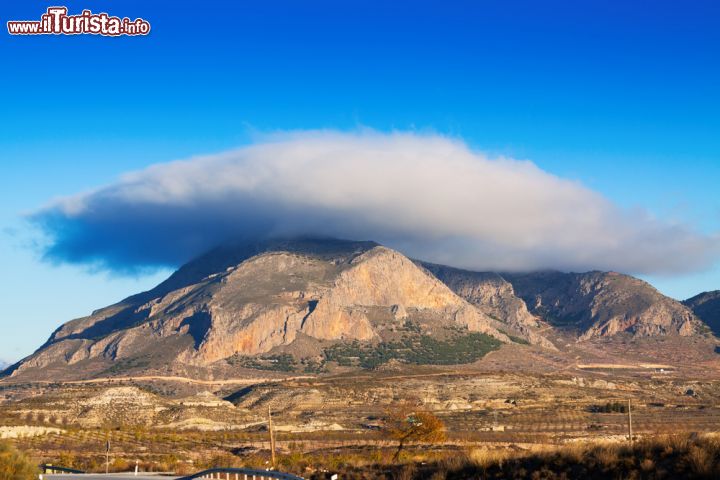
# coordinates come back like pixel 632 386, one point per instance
pixel 427 195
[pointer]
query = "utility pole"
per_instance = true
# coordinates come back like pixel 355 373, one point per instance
pixel 630 433
pixel 272 438
pixel 107 456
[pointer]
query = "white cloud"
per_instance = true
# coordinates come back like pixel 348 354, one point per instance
pixel 428 195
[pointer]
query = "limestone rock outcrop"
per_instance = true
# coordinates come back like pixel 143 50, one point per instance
pixel 600 304
pixel 263 303
pixel 299 297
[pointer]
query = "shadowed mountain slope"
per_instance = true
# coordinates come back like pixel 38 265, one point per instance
pixel 494 296
pixel 590 305
pixel 707 307
pixel 597 304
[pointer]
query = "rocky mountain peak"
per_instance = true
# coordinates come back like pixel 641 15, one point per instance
pixel 270 305
pixel 280 297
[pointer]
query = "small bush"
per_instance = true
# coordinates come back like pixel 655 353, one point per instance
pixel 14 465
pixel 610 407
pixel 700 460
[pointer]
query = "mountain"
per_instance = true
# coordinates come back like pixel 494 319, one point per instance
pixel 590 305
pixel 598 304
pixel 318 305
pixel 707 307
pixel 278 301
pixel 492 295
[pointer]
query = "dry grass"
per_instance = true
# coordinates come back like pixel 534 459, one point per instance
pixel 660 457
pixel 485 457
pixel 15 465
pixel 668 457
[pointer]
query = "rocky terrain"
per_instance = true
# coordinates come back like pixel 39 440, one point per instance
pixel 295 299
pixel 518 393
pixel 329 336
pixel 310 306
pixel 706 306
pixel 591 305
pixel 494 296
pixel 598 304
pixel 517 397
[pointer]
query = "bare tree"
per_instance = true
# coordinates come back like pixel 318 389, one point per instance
pixel 405 423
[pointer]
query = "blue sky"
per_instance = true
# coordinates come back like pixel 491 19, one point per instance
pixel 621 96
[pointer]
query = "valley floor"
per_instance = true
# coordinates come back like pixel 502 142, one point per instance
pixel 518 402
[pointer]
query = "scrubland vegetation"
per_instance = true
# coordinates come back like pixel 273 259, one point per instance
pixel 460 348
pixel 660 457
pixel 14 465
pixel 671 457
pixel 667 457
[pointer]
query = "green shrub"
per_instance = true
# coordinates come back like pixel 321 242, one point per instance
pixel 277 363
pixel 610 407
pixel 461 347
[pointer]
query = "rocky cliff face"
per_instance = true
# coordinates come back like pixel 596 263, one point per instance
pixel 288 295
pixel 494 296
pixel 707 307
pixel 592 304
pixel 282 301
pixel 598 304
pixel 489 291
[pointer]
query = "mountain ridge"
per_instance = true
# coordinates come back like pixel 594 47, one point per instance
pixel 306 298
pixel 288 299
pixel 603 303
pixel 706 306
